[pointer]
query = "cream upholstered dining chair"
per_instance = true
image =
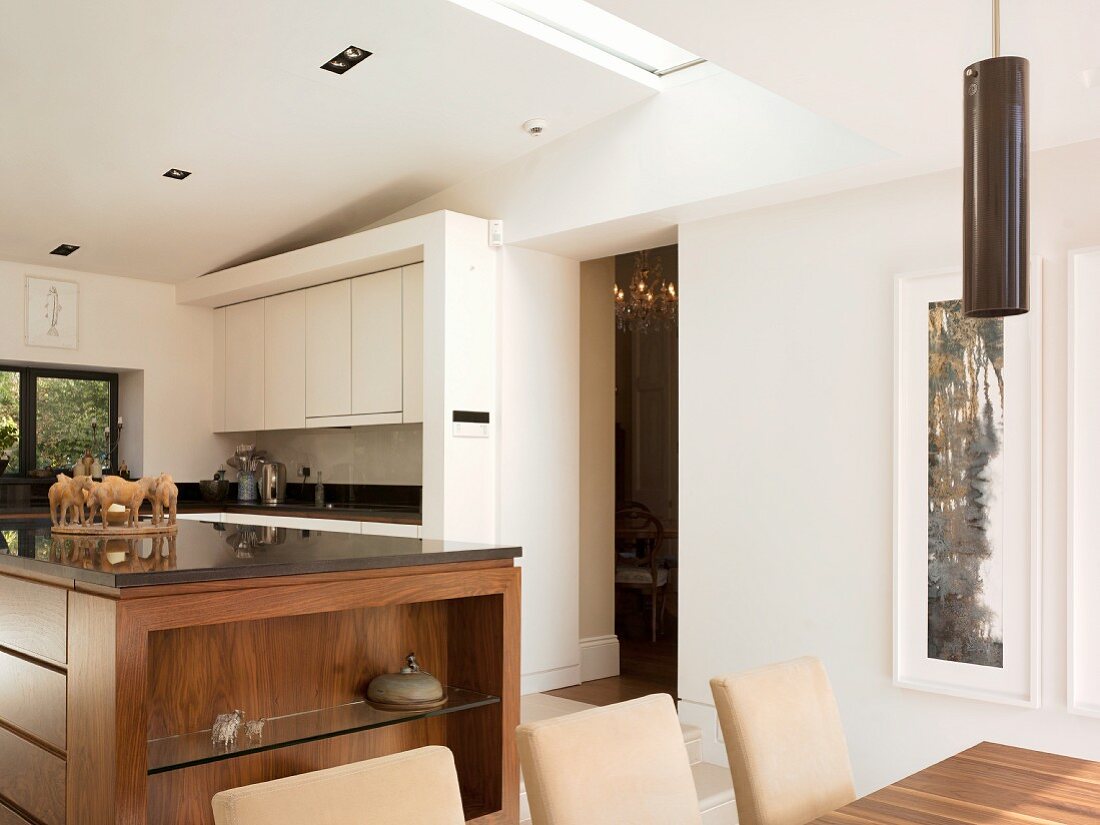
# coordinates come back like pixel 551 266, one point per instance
pixel 418 786
pixel 785 743
pixel 623 764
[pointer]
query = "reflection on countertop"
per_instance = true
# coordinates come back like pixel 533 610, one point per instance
pixel 203 551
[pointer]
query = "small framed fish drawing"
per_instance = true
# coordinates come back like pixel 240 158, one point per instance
pixel 52 313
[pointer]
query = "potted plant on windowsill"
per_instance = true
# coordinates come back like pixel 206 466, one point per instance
pixel 9 434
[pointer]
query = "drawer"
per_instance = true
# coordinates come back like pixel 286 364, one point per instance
pixel 33 618
pixel 217 518
pixel 10 817
pixel 32 778
pixel 32 698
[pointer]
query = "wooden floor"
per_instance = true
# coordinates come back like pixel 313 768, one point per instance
pixel 645 668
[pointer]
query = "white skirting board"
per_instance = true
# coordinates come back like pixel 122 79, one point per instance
pixel 543 680
pixel 599 657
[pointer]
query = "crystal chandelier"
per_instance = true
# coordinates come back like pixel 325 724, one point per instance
pixel 650 302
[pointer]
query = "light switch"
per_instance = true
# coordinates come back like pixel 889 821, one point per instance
pixel 470 424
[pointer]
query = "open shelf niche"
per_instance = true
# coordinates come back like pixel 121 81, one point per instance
pixel 307 676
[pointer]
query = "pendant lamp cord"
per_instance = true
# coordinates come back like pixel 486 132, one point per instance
pixel 996 28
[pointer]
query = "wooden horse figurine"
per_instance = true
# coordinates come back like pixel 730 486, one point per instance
pixel 116 490
pixel 166 496
pixel 67 498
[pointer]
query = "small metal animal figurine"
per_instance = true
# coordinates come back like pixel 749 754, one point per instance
pixel 255 729
pixel 225 729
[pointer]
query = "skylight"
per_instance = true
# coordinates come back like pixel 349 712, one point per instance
pixel 608 33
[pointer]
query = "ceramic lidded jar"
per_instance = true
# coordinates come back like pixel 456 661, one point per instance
pixel 411 689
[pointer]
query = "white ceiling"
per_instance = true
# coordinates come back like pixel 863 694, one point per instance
pixel 99 99
pixel 891 71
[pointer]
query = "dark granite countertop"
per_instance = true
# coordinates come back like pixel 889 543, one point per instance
pixel 301 509
pixel 395 504
pixel 216 552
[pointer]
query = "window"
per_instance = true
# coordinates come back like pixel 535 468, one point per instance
pixel 60 416
pixel 608 33
pixel 9 419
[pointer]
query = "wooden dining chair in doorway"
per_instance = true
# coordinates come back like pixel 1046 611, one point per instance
pixel 639 566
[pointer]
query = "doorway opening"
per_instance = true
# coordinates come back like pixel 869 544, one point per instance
pixel 646 476
pixel 629 497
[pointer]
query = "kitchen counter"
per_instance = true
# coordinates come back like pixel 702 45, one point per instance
pixel 290 509
pixel 117 654
pixel 383 504
pixel 202 551
pixel 300 509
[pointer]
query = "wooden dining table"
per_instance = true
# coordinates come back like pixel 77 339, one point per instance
pixel 986 785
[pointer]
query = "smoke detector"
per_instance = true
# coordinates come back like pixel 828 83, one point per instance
pixel 535 126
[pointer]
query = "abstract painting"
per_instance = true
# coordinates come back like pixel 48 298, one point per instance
pixel 967 493
pixel 52 312
pixel 966 400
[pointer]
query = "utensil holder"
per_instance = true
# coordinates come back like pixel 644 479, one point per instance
pixel 246 486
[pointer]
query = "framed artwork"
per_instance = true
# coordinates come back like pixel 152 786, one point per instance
pixel 52 312
pixel 967 493
pixel 1083 482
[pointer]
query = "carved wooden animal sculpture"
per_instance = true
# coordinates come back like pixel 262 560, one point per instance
pixel 67 498
pixel 147 486
pixel 115 490
pixel 167 495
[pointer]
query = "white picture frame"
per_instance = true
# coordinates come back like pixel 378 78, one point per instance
pixel 1083 482
pixel 1017 680
pixel 51 312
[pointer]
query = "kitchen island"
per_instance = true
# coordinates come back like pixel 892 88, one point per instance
pixel 117 654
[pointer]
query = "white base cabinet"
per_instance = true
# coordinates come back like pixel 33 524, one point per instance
pixel 366 528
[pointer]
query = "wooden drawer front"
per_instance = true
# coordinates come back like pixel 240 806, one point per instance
pixel 10 817
pixel 32 698
pixel 32 618
pixel 32 778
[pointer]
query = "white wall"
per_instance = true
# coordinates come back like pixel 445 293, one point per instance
pixel 691 146
pixel 599 645
pixel 539 458
pixel 786 459
pixel 385 454
pixel 163 350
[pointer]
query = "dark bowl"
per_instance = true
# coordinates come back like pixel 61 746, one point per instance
pixel 214 490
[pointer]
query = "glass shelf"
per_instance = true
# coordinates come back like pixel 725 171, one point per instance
pixel 175 752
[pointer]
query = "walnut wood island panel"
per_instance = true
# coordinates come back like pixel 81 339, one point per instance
pixel 117 654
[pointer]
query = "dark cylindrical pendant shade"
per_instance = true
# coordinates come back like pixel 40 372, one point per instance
pixel 995 204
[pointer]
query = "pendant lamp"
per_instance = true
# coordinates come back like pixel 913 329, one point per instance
pixel 995 199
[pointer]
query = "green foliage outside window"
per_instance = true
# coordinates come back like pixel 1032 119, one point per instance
pixel 66 408
pixel 9 417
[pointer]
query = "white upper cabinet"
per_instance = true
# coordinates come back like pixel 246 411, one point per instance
pixel 342 354
pixel 328 350
pixel 244 367
pixel 376 343
pixel 285 361
pixel 412 311
pixel 218 371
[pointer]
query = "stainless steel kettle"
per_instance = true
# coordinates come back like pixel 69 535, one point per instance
pixel 273 482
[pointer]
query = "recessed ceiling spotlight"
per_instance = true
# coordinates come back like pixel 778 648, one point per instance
pixel 176 174
pixel 349 58
pixel 535 126
pixel 65 249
